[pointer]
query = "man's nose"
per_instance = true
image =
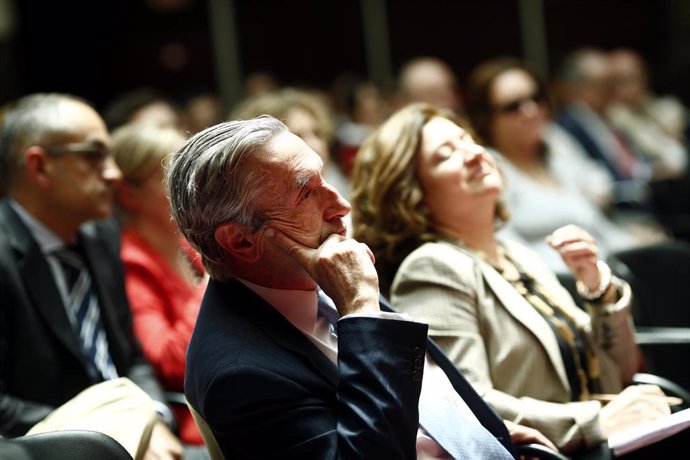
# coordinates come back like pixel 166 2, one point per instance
pixel 111 172
pixel 338 206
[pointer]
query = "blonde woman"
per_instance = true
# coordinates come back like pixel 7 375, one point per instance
pixel 164 277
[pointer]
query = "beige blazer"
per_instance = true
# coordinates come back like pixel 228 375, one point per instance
pixel 503 345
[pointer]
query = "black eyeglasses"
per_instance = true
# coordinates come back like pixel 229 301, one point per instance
pixel 536 97
pixel 93 151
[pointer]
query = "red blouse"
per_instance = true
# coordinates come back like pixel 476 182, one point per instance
pixel 164 309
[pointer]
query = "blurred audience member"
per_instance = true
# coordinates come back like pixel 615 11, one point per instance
pixel 641 115
pixel 360 107
pixel 143 105
pixel 656 125
pixel 163 274
pixel 260 82
pixel 429 79
pixel 66 323
pixel 202 109
pixel 586 88
pixel 307 116
pixel 548 177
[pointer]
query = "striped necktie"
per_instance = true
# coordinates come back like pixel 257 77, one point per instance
pixel 85 314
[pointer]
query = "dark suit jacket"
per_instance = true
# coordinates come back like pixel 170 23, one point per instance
pixel 267 391
pixel 573 125
pixel 41 366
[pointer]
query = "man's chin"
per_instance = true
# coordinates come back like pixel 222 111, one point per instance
pixel 341 231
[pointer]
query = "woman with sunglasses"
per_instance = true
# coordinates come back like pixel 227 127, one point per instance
pixel 426 200
pixel 550 182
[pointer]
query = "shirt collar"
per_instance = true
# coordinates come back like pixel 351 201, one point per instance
pixel 298 307
pixel 47 240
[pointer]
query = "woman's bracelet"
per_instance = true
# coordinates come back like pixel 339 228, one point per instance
pixel 605 280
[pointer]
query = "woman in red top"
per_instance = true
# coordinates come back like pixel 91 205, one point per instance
pixel 163 275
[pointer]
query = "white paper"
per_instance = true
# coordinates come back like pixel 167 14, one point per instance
pixel 639 436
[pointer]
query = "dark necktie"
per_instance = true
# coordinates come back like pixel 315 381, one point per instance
pixel 85 314
pixel 462 436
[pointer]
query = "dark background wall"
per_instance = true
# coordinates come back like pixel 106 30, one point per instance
pixel 100 48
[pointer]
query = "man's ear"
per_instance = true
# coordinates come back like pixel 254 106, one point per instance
pixel 37 166
pixel 238 240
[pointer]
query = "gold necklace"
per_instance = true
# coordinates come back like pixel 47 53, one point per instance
pixel 540 299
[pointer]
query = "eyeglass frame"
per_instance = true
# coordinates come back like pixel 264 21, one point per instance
pixel 94 151
pixel 537 96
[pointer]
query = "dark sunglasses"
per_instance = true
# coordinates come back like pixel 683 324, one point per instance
pixel 514 106
pixel 95 152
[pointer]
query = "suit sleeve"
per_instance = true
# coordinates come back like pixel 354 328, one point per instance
pixel 17 415
pixel 374 413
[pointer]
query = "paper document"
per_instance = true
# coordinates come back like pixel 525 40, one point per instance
pixel 648 433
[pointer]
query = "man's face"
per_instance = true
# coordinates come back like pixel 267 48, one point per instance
pixel 297 200
pixel 83 171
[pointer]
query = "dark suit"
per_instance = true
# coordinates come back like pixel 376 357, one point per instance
pixel 41 365
pixel 267 391
pixel 570 121
pixel 629 193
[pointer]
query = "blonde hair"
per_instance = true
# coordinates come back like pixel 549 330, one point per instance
pixel 278 103
pixel 140 149
pixel 388 212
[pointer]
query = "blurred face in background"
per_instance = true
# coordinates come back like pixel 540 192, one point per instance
pixel 83 172
pixel 431 81
pixel 303 124
pixel 141 152
pixel 596 88
pixel 629 78
pixel 518 110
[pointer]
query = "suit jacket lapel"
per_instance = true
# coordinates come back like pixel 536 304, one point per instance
pixel 523 312
pixel 287 336
pixel 38 281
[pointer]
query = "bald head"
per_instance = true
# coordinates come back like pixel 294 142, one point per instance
pixel 629 76
pixel 587 78
pixel 430 80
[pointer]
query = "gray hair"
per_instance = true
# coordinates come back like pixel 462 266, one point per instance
pixel 32 120
pixel 209 183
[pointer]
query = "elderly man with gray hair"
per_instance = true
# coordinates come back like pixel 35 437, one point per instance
pixel 294 354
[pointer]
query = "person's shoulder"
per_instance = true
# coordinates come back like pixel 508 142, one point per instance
pixel 106 229
pixel 518 249
pixel 438 255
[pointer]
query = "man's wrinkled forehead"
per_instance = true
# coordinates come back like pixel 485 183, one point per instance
pixel 290 159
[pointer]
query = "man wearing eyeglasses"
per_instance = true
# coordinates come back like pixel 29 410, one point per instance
pixel 65 323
